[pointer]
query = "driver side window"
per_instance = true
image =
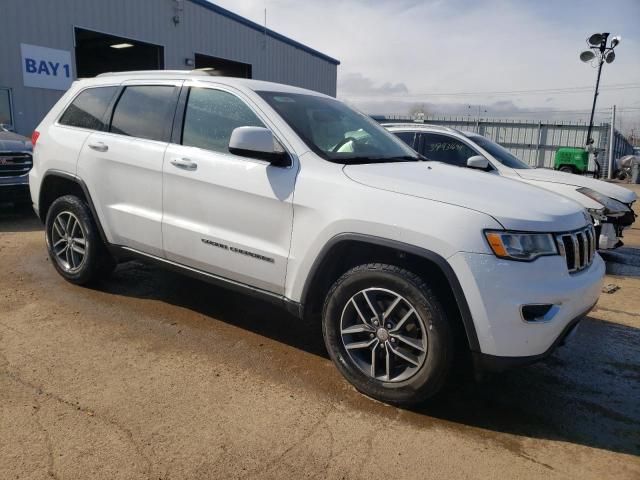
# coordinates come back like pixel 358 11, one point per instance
pixel 210 117
pixel 443 148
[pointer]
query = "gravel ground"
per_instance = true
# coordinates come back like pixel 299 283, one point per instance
pixel 154 375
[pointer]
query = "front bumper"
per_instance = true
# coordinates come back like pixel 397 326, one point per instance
pixel 15 189
pixel 610 229
pixel 492 363
pixel 496 290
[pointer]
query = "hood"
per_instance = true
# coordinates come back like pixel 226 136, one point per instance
pixel 12 142
pixel 516 205
pixel 612 190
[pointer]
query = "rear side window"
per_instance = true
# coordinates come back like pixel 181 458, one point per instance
pixel 144 111
pixel 88 109
pixel 211 116
pixel 443 148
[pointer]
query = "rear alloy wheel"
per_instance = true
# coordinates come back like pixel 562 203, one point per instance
pixel 68 242
pixel 74 244
pixel 386 332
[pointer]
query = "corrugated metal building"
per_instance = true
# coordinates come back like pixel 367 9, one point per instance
pixel 45 44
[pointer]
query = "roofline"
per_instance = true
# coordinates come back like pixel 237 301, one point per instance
pixel 420 126
pixel 155 73
pixel 260 28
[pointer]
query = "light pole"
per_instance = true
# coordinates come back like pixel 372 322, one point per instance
pixel 599 51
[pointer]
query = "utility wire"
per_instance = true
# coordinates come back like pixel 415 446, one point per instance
pixel 556 91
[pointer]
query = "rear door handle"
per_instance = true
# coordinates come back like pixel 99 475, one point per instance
pixel 99 147
pixel 184 164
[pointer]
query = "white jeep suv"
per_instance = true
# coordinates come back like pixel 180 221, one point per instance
pixel 291 196
pixel 610 205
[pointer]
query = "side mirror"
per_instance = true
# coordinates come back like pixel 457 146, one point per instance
pixel 478 162
pixel 258 142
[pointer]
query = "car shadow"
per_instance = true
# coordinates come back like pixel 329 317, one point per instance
pixel 18 218
pixel 622 261
pixel 585 393
pixel 142 280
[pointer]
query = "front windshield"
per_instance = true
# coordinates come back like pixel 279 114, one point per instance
pixel 500 153
pixel 336 132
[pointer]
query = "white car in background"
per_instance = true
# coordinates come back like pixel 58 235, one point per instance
pixel 610 205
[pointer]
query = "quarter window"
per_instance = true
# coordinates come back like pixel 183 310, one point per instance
pixel 406 137
pixel 144 111
pixel 211 116
pixel 88 109
pixel 443 148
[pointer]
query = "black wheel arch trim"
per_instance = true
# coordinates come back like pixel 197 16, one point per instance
pixel 438 260
pixel 85 190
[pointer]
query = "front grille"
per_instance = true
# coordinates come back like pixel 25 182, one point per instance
pixel 14 164
pixel 578 248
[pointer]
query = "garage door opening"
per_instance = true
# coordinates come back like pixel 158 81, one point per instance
pixel 222 67
pixel 6 113
pixel 99 53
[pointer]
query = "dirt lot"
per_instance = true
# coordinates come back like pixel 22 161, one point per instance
pixel 153 375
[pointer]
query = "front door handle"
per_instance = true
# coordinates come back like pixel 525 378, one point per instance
pixel 184 164
pixel 99 147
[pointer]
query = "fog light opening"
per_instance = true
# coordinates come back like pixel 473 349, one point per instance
pixel 538 312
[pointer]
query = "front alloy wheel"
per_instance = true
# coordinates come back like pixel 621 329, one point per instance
pixel 383 334
pixel 387 333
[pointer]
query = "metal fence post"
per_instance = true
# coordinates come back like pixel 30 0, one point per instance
pixel 542 138
pixel 612 140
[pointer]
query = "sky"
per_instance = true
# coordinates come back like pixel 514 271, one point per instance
pixel 444 56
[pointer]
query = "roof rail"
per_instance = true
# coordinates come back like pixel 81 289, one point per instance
pixel 418 124
pixel 200 73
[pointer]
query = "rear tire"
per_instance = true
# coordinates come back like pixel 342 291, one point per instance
pixel 74 244
pixel 621 175
pixel 567 169
pixel 387 333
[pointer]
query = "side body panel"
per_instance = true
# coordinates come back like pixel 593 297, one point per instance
pixel 229 215
pixel 124 176
pixel 126 186
pixel 58 146
pixel 327 203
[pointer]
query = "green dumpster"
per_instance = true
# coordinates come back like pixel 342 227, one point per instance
pixel 572 160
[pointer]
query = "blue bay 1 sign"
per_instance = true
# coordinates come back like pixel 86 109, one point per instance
pixel 46 67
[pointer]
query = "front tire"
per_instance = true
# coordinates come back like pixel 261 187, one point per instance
pixel 567 169
pixel 74 244
pixel 387 333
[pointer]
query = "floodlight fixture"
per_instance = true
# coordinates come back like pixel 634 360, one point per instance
pixel 587 56
pixel 595 40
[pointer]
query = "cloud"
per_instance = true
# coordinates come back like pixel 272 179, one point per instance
pixel 358 84
pixel 408 50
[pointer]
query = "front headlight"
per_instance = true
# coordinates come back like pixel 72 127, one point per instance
pixel 521 246
pixel 611 205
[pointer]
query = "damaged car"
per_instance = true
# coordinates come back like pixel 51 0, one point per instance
pixel 15 164
pixel 609 205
